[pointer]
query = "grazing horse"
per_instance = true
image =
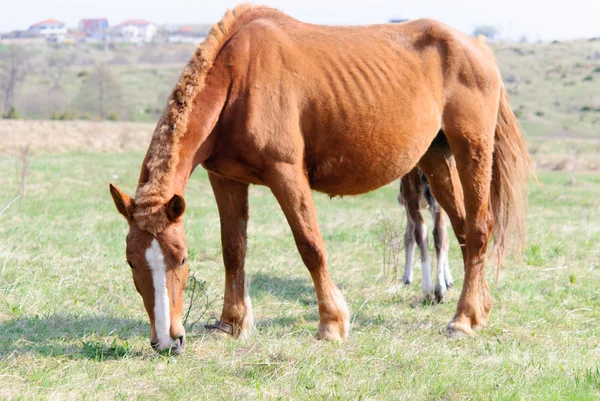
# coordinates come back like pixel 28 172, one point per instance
pixel 415 194
pixel 269 100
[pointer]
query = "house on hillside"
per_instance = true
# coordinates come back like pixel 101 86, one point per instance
pixel 52 30
pixel 136 31
pixel 94 29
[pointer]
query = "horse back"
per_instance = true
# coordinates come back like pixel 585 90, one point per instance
pixel 365 100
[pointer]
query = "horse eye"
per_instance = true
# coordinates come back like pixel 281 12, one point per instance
pixel 183 261
pixel 130 265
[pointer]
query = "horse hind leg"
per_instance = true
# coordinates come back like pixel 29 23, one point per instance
pixel 439 166
pixel 409 234
pixel 445 249
pixel 470 134
pixel 416 232
pixel 440 236
pixel 409 251
pixel 291 188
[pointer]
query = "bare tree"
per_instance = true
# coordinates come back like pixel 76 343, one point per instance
pixel 101 93
pixel 56 65
pixel 13 70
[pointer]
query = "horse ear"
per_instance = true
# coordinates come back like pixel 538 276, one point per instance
pixel 123 202
pixel 175 207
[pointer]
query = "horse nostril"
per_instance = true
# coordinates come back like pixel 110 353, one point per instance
pixel 177 347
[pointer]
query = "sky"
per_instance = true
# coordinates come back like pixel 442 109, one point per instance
pixel 537 19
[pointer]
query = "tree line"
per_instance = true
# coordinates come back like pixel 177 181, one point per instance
pixel 36 87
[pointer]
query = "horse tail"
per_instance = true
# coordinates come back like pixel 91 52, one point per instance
pixel 508 195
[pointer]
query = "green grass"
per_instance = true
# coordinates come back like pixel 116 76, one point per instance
pixel 73 327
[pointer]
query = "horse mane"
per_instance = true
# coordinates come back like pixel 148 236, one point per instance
pixel 160 164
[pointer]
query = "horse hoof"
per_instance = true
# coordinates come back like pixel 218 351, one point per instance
pixel 428 298
pixel 217 335
pixel 219 330
pixel 332 332
pixel 440 294
pixel 459 330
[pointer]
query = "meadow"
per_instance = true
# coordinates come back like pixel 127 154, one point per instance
pixel 72 325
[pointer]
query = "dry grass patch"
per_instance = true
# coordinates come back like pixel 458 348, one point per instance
pixel 45 137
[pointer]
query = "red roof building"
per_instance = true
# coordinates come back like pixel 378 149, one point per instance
pixel 93 26
pixel 136 31
pixel 51 29
pixel 47 23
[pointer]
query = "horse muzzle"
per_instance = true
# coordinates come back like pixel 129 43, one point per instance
pixel 176 347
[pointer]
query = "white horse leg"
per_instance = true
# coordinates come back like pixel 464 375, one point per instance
pixel 440 235
pixel 447 273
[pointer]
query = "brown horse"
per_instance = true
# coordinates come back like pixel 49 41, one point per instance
pixel 415 194
pixel 270 100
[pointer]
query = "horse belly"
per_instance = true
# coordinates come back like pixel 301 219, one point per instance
pixel 357 168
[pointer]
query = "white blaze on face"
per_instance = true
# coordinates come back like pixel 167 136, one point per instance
pixel 162 310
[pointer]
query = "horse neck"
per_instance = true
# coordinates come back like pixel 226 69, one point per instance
pixel 170 161
pixel 183 138
pixel 177 162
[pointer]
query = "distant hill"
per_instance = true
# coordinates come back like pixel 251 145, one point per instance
pixel 554 87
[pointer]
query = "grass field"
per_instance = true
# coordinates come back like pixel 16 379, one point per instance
pixel 73 327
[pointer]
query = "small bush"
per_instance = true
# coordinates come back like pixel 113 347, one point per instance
pixel 113 117
pixel 540 113
pixel 11 114
pixel 66 116
pixel 596 70
pixel 588 78
pixel 82 74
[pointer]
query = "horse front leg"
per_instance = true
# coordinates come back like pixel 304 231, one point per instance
pixel 290 186
pixel 232 202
